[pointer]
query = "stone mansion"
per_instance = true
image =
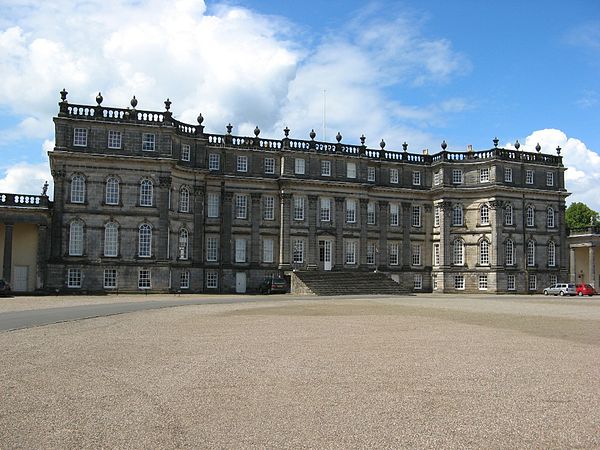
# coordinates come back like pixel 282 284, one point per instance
pixel 143 201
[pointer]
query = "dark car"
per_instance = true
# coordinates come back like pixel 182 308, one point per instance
pixel 272 285
pixel 4 288
pixel 585 289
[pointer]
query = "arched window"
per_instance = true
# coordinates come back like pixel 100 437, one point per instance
pixel 551 254
pixel 184 200
pixel 145 241
pixel 77 189
pixel 484 252
pixel 458 252
pixel 146 192
pixel 112 191
pixel 76 238
pixel 484 215
pixel 530 216
pixel 508 215
pixel 550 217
pixel 531 253
pixel 183 244
pixel 509 252
pixel 111 239
pixel 457 215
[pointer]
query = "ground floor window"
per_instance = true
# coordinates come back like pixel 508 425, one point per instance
pixel 371 253
pixel 418 281
pixel 510 283
pixel 532 282
pixel 553 279
pixel 350 253
pixel 212 279
pixel 184 280
pixel 393 254
pixel 110 278
pixel 298 252
pixel 459 281
pixel 434 281
pixel 144 279
pixel 74 278
pixel 483 282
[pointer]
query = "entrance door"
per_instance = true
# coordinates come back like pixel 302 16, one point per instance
pixel 325 253
pixel 20 278
pixel 240 282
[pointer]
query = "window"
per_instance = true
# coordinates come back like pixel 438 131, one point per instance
pixel 510 283
pixel 553 279
pixel 484 214
pixel 509 252
pixel 325 168
pixel 416 255
pixel 183 244
pixel 212 279
pixel 76 238
pixel 393 254
pixel 416 216
pixel 145 241
pixel 112 191
pixel 394 176
pixel 351 170
pixel 144 279
pixel 529 176
pixel 214 161
pixel 298 208
pixel 184 200
pixel 77 189
pixel 184 280
pixel 213 204
pixel 114 139
pixel 457 216
pixel 418 282
pixel 269 166
pixel 148 142
pixel 416 179
pixel 212 249
pixel 551 254
pixel 394 217
pixel 299 166
pixel 530 253
pixel 74 278
pixel 111 239
pixel 434 281
pixel 532 282
pixel 483 282
pixel 268 246
pixel 371 249
pixel 436 254
pixel 80 137
pixel 110 278
pixel 550 217
pixel 530 216
pixel 146 192
pixel 268 207
pixel 459 282
pixel 298 251
pixel 437 178
pixel 508 215
pixel 508 175
pixel 371 213
pixel 350 252
pixel 241 206
pixel 484 252
pixel 458 252
pixel 242 163
pixel 457 176
pixel 370 173
pixel 436 216
pixel 325 214
pixel 240 250
pixel 185 156
pixel 350 211
pixel 484 175
pixel 549 179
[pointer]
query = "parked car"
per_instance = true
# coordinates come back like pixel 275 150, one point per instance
pixel 585 289
pixel 272 285
pixel 561 289
pixel 5 290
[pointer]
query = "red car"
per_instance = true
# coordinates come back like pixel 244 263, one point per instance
pixel 585 289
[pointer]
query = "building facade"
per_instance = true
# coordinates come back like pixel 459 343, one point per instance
pixel 145 202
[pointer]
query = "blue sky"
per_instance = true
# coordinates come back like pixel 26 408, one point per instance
pixel 420 71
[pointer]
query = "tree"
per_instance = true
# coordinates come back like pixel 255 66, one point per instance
pixel 579 215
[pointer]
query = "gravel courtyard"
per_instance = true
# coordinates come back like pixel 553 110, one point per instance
pixel 414 372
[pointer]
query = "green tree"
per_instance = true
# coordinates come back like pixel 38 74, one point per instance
pixel 580 215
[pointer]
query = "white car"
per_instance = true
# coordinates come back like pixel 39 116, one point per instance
pixel 561 289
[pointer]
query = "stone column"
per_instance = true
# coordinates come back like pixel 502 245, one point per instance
pixel 198 237
pixel 362 245
pixel 8 234
pixel 312 231
pixel 42 256
pixel 285 200
pixel 163 217
pixel 225 239
pixel 406 244
pixel 572 268
pixel 384 221
pixel 255 219
pixel 57 213
pixel 339 232
pixel 592 265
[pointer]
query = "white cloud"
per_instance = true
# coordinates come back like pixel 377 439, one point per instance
pixel 26 178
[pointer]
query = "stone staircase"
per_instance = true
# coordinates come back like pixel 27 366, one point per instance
pixel 345 283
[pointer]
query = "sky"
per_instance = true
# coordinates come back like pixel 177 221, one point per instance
pixel 463 71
